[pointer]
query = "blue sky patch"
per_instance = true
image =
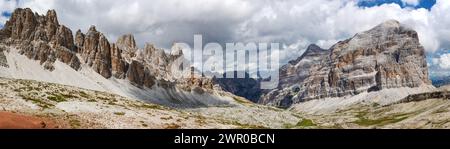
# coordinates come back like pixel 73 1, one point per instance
pixel 427 4
pixel 6 14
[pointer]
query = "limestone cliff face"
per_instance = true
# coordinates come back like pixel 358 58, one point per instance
pixel 79 40
pixel 298 70
pixel 3 61
pixel 40 37
pixel 96 52
pixel 127 46
pixel 118 64
pixel 387 56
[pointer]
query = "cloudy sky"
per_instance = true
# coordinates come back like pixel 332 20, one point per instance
pixel 294 23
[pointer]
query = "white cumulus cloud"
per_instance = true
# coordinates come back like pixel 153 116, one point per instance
pixel 411 2
pixel 6 6
pixel 443 61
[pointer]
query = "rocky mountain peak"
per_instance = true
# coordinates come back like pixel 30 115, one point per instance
pixel 126 41
pixel 41 37
pixel 313 48
pixel 127 46
pixel 64 37
pixel 176 50
pixel 154 56
pixel 52 18
pixel 79 40
pixel 21 24
pixel 150 52
pixel 386 31
pixel 96 52
pixel 386 56
pixel 389 24
pixel 92 28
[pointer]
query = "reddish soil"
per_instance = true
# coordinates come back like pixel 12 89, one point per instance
pixel 10 120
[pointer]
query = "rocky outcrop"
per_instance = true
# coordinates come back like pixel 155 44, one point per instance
pixel 127 45
pixel 64 37
pixel 3 61
pixel 154 56
pixel 444 95
pixel 387 56
pixel 22 24
pixel 68 57
pixel 119 66
pixel 298 70
pixel 102 61
pixel 90 45
pixel 96 52
pixel 293 74
pixel 126 41
pixel 41 38
pixel 79 41
pixel 51 24
pixel 139 75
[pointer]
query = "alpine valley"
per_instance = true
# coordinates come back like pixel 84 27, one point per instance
pixel 53 77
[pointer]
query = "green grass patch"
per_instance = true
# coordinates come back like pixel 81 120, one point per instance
pixel 107 98
pixel 68 96
pixel 241 100
pixel 288 126
pixel 56 98
pixel 148 106
pixel 274 109
pixel 119 113
pixel 247 126
pixel 38 101
pixel 301 124
pixel 363 120
pixel 306 123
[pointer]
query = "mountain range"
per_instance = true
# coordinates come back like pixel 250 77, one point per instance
pixel 89 60
pixel 375 79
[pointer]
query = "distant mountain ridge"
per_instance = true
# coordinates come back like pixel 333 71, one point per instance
pixel 247 87
pixel 439 81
